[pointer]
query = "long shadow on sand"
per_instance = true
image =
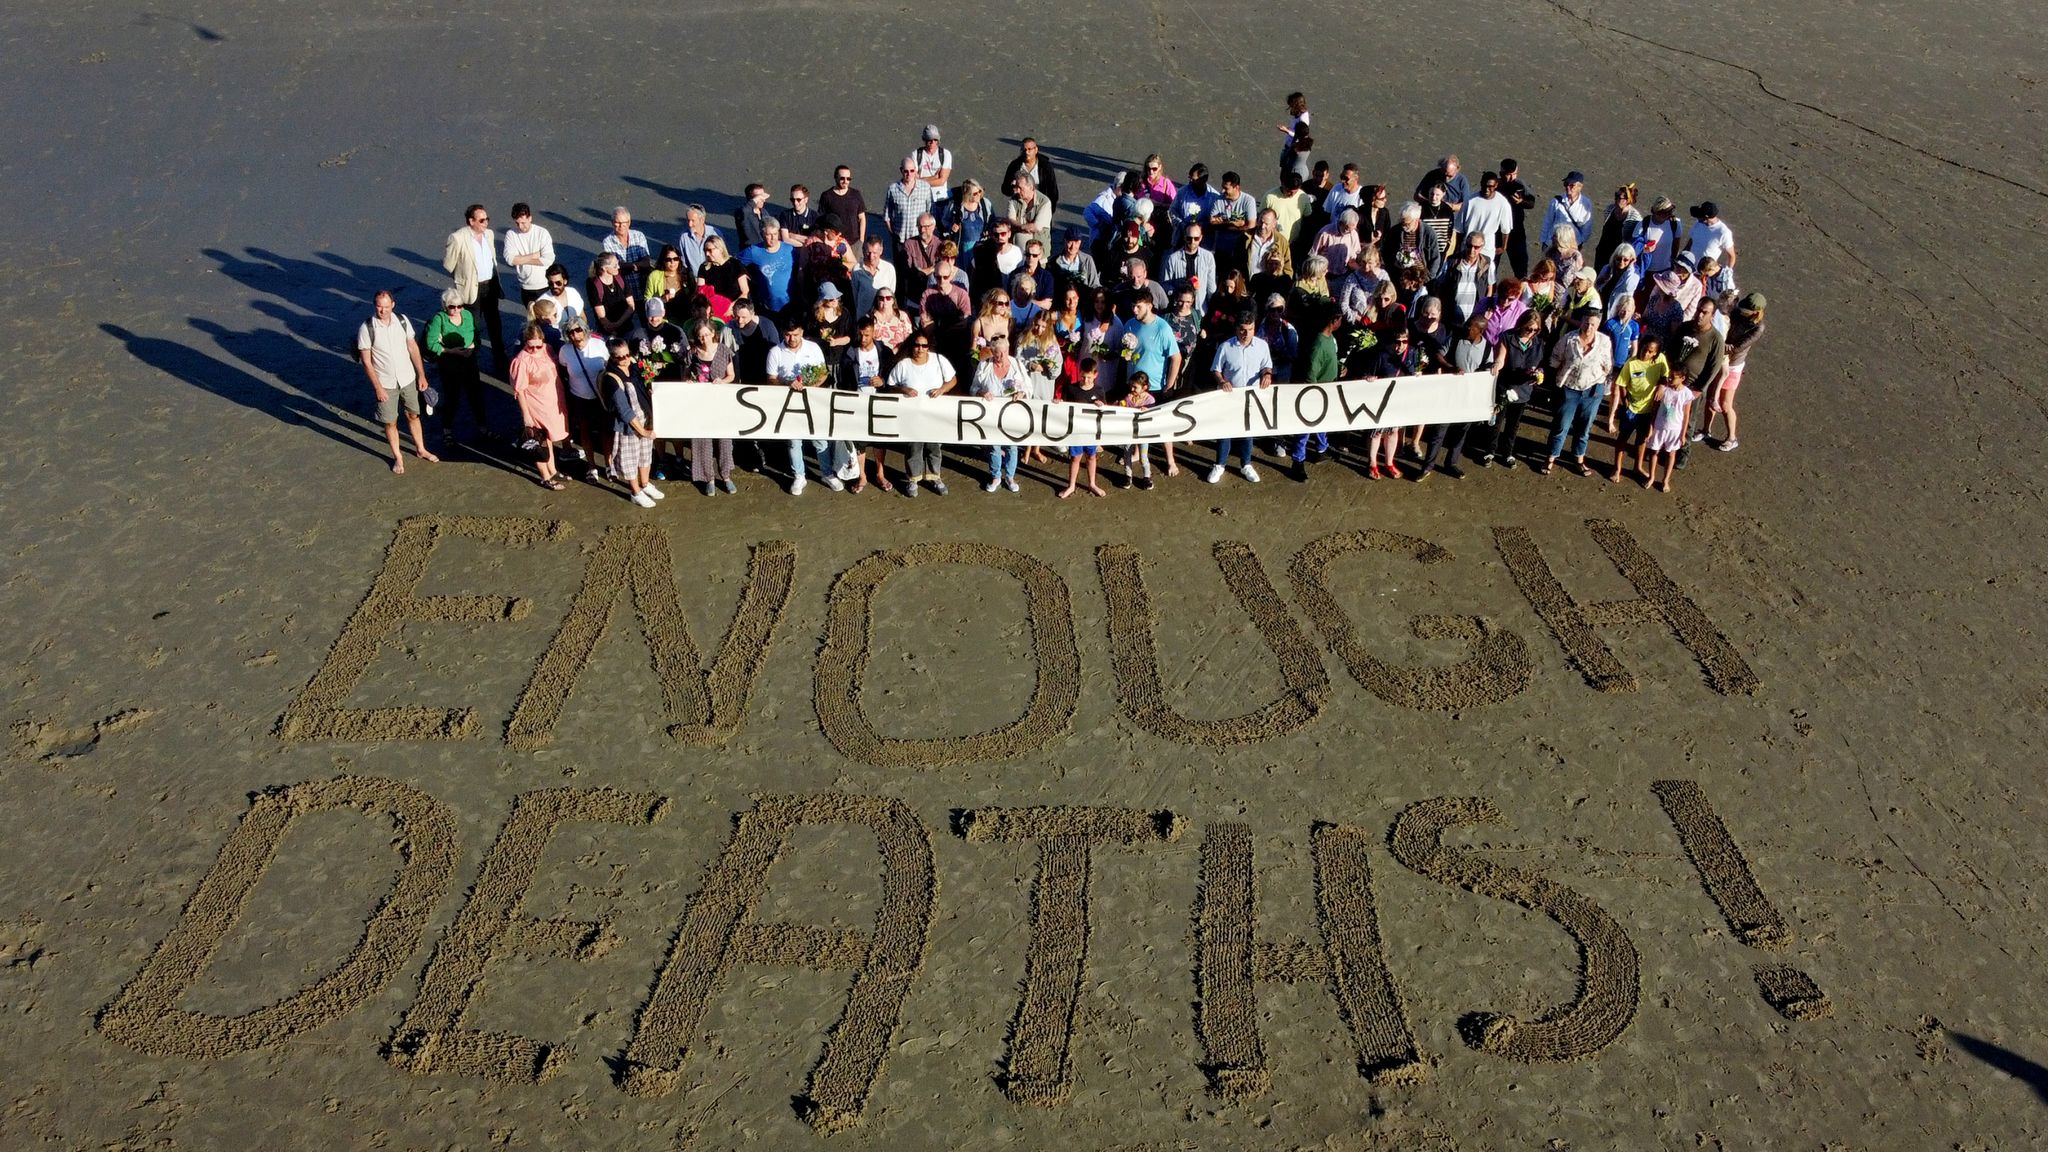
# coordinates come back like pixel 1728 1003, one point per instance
pixel 222 378
pixel 2007 1061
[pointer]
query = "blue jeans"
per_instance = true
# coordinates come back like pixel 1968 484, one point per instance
pixel 1320 439
pixel 820 448
pixel 1575 420
pixel 1243 447
pixel 1002 462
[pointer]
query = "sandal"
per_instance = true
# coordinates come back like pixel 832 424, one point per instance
pixel 429 457
pixel 553 484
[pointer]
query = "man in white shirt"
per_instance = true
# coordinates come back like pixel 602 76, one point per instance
pixel 934 165
pixel 1243 362
pixel 1711 236
pixel 391 359
pixel 1488 215
pixel 470 258
pixel 568 301
pixel 787 363
pixel 1569 209
pixel 1347 193
pixel 529 250
pixel 923 373
pixel 1656 237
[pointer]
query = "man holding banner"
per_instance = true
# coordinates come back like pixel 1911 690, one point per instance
pixel 1243 362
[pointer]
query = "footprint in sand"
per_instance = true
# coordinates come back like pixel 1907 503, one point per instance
pixel 52 743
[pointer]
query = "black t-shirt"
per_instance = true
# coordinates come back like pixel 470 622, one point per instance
pixel 1520 199
pixel 849 207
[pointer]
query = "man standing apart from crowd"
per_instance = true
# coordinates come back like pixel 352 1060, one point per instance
pixel 1243 362
pixel 1029 162
pixel 391 359
pixel 934 164
pixel 471 259
pixel 530 250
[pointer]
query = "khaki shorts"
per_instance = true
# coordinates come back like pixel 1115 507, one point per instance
pixel 387 408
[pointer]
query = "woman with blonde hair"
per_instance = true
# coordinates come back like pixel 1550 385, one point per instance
pixel 992 321
pixel 1039 348
pixel 721 278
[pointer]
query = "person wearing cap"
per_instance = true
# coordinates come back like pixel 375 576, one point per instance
pixel 1569 209
pixel 1743 332
pixel 1656 237
pixel 934 163
pixel 1520 201
pixel 1580 364
pixel 1710 236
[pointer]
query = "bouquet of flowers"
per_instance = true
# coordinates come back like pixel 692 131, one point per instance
pixel 1129 349
pixel 812 375
pixel 1099 350
pixel 1042 366
pixel 1541 302
pixel 655 355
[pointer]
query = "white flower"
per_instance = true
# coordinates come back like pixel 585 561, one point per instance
pixel 660 345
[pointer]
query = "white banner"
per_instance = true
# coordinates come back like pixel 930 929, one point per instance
pixel 689 411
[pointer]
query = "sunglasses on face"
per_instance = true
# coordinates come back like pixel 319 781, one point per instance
pixel 535 347
pixel 920 347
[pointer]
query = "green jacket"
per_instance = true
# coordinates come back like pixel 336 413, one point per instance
pixel 440 326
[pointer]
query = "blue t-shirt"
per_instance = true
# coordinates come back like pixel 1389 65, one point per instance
pixel 1623 334
pixel 1155 344
pixel 775 268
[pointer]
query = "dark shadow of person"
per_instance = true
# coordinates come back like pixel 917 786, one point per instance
pixel 2007 1061
pixel 210 374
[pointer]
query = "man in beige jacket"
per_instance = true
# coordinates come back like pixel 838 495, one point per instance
pixel 471 259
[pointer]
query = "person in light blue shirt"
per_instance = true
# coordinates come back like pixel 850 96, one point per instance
pixel 1159 363
pixel 1245 361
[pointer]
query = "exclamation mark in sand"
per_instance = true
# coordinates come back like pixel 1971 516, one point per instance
pixel 1725 873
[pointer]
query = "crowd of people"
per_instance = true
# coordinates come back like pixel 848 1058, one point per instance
pixel 1627 322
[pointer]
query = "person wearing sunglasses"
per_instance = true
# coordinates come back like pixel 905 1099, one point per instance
pixel 538 387
pixel 470 258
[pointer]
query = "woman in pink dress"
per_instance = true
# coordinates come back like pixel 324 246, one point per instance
pixel 539 389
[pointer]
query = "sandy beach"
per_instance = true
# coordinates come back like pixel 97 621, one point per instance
pixel 353 810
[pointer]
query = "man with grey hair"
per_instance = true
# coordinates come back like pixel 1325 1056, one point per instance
pixel 1137 283
pixel 1030 212
pixel 629 244
pixel 1339 242
pixel 907 200
pixel 696 230
pixel 1447 173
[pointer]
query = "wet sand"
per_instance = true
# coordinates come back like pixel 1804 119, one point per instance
pixel 1286 877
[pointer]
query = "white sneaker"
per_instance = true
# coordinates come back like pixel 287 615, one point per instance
pixel 991 486
pixel 643 499
pixel 1215 474
pixel 1250 473
pixel 835 484
pixel 796 486
pixel 1729 445
pixel 1011 484
pixel 651 490
pixel 1697 437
